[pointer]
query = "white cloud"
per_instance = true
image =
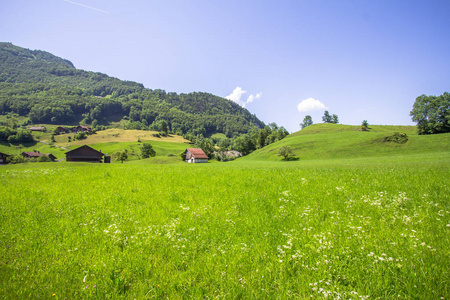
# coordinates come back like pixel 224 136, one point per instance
pixel 251 98
pixel 310 104
pixel 236 96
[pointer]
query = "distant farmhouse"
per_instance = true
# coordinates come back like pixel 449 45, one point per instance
pixel 81 128
pixel 37 128
pixel 86 154
pixel 195 155
pixel 76 129
pixel 62 130
pixel 3 158
pixel 37 154
pixel 233 154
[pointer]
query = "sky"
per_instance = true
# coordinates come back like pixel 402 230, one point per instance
pixel 281 60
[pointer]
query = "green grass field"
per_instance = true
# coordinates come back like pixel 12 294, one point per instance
pixel 361 219
pixel 365 228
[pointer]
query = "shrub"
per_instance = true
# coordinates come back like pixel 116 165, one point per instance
pixel 44 158
pixel 365 125
pixel 15 159
pixel 397 137
pixel 80 136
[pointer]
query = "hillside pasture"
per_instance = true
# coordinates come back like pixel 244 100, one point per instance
pixel 119 136
pixel 322 141
pixel 364 228
pixel 108 141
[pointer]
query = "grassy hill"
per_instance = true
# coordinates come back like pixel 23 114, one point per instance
pixel 325 141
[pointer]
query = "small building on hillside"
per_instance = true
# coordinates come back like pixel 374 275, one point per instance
pixel 85 154
pixel 195 155
pixel 81 128
pixel 62 130
pixel 37 154
pixel 37 128
pixel 34 154
pixel 227 155
pixel 3 158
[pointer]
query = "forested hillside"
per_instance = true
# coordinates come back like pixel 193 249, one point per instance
pixel 49 89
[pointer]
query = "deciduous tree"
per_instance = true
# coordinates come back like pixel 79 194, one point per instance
pixel 306 121
pixel 432 113
pixel 147 150
pixel 121 155
pixel 326 117
pixel 285 151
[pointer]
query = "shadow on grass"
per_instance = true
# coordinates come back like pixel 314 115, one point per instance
pixel 292 158
pixel 19 145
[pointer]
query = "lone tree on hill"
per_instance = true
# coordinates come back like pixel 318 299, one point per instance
pixel 147 150
pixel 285 151
pixel 121 155
pixel 365 125
pixel 306 121
pixel 432 113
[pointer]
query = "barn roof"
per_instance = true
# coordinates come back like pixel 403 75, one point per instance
pixel 197 152
pixel 85 153
pixel 32 154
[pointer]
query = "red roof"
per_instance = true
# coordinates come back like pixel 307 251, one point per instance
pixel 197 153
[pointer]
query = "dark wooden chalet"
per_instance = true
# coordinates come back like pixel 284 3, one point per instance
pixel 3 158
pixel 62 130
pixel 84 153
pixel 195 155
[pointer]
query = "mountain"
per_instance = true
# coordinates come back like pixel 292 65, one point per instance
pixel 48 89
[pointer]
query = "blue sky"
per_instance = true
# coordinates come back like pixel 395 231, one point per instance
pixel 359 59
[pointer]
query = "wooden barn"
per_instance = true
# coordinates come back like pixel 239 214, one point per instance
pixel 195 155
pixel 3 158
pixel 84 154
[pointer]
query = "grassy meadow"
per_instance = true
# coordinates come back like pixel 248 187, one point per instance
pixel 324 141
pixel 354 228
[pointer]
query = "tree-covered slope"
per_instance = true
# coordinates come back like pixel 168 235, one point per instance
pixel 49 89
